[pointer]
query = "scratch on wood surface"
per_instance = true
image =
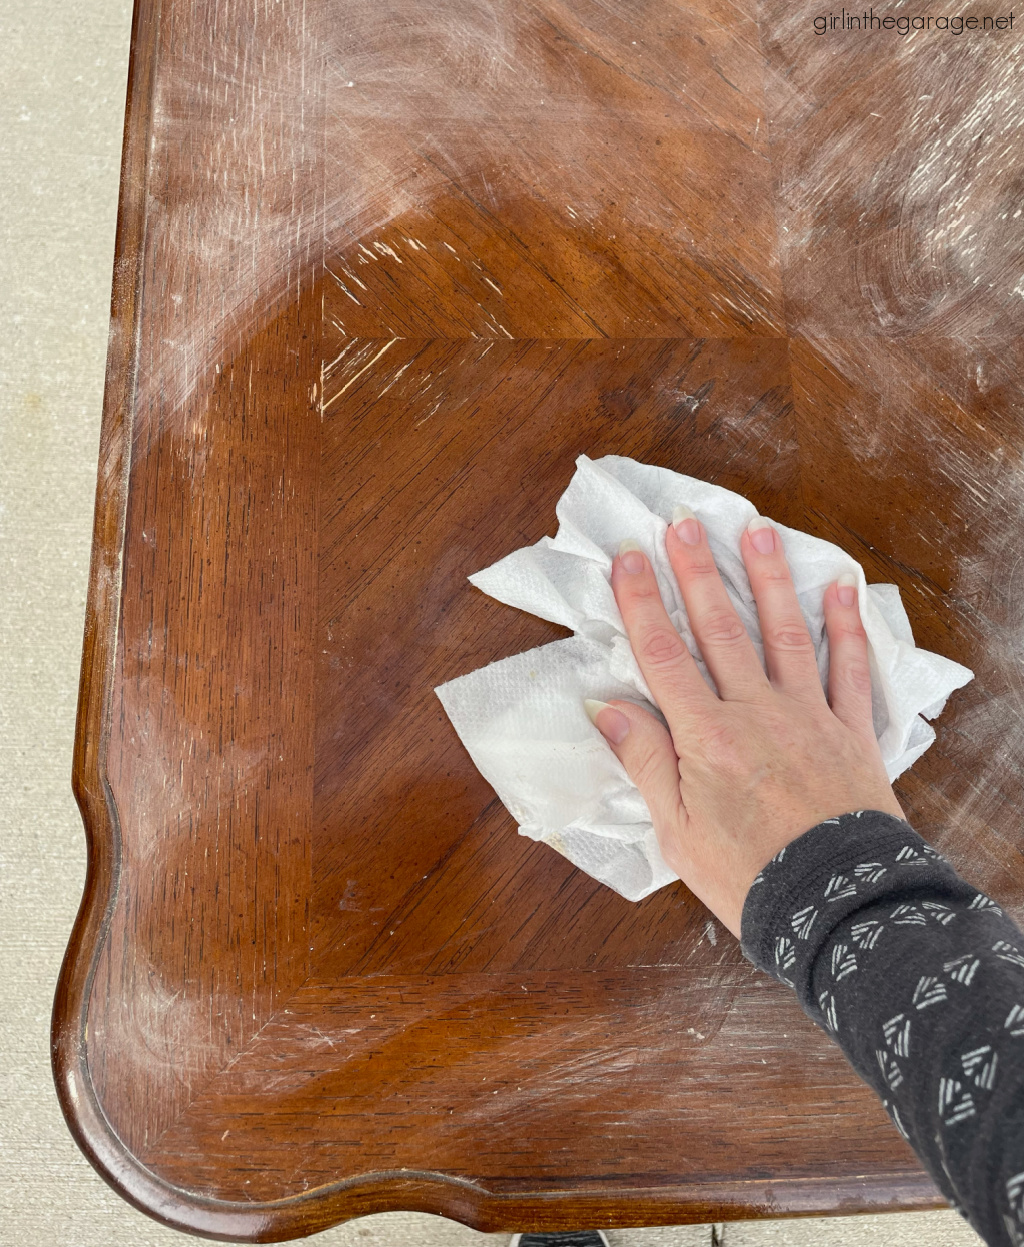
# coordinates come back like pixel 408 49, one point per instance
pixel 299 97
pixel 355 377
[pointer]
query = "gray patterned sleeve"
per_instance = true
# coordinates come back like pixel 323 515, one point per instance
pixel 919 978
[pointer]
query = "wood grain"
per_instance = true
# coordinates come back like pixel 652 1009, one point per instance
pixel 383 272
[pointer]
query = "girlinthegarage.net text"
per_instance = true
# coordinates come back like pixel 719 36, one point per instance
pixel 869 20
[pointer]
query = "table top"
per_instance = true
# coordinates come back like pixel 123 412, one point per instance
pixel 383 271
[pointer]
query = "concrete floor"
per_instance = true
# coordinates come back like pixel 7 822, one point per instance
pixel 62 81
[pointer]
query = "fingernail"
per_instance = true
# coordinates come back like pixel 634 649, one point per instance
pixel 614 725
pixel 846 589
pixel 762 535
pixel 686 525
pixel 631 556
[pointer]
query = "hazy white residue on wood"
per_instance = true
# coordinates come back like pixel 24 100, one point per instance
pixel 886 408
pixel 394 103
pixel 974 495
pixel 990 583
pixel 234 213
pixel 929 167
pixel 480 100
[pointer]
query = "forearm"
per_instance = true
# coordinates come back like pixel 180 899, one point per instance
pixel 920 979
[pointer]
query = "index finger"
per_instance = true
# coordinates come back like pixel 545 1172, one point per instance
pixel 667 665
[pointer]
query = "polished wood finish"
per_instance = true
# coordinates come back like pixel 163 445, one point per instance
pixel 384 270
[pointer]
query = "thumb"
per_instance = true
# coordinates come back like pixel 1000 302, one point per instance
pixel 645 749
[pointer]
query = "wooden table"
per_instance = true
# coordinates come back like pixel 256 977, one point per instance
pixel 383 270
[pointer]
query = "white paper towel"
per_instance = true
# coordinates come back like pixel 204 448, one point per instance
pixel 522 719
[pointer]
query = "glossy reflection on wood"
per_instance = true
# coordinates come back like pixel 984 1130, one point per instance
pixel 384 271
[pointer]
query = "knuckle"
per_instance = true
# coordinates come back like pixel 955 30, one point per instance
pixel 722 627
pixel 634 589
pixel 661 647
pixel 644 588
pixel 644 768
pixel 673 853
pixel 701 568
pixel 721 745
pixel 790 635
pixel 848 637
pixel 719 736
pixel 856 676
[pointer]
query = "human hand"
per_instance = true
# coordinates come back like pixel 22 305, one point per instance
pixel 739 775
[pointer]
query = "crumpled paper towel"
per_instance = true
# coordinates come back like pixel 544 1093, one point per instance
pixel 522 719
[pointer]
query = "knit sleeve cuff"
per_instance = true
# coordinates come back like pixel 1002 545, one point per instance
pixel 838 867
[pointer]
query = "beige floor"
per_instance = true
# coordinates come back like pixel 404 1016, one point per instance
pixel 62 76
